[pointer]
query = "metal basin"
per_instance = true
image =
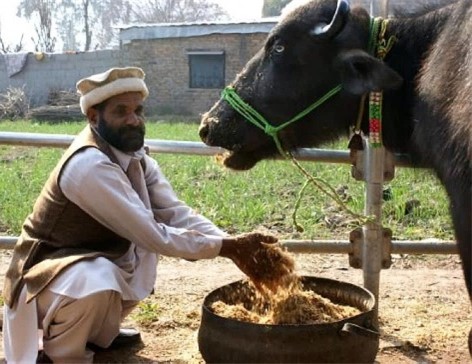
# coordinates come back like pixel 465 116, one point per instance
pixel 352 340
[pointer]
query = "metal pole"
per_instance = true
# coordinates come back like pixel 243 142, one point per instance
pixel 330 246
pixel 373 231
pixel 374 163
pixel 345 247
pixel 180 147
pixel 379 8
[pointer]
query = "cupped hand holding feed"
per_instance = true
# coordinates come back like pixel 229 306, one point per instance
pixel 259 257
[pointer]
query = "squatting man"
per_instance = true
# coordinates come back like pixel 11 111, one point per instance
pixel 88 252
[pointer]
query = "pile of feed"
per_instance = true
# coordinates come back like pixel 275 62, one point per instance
pixel 273 268
pixel 278 297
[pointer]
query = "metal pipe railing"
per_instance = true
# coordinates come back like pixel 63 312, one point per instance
pixel 345 247
pixel 179 147
pixel 331 246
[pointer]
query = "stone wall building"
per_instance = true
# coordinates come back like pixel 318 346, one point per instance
pixel 187 65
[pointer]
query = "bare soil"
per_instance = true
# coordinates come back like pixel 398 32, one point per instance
pixel 425 313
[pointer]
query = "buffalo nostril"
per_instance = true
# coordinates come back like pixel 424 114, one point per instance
pixel 204 131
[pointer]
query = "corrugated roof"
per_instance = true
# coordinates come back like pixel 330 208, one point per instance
pixel 129 33
pixel 183 30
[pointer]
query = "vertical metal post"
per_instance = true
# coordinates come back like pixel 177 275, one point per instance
pixel 372 231
pixel 379 8
pixel 374 162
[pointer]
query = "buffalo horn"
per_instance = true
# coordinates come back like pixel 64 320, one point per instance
pixel 337 23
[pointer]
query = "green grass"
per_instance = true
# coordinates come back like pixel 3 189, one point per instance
pixel 147 313
pixel 263 197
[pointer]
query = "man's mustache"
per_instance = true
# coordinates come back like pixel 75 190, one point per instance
pixel 136 129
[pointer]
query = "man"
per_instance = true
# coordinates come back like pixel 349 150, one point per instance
pixel 88 252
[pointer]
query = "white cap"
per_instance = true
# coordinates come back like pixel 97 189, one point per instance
pixel 100 87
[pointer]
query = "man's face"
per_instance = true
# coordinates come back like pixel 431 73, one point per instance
pixel 121 122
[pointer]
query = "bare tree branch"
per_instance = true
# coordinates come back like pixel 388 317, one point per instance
pixel 9 48
pixel 172 11
pixel 45 42
pixel 90 24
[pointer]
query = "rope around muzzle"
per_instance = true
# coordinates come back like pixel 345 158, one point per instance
pixel 250 114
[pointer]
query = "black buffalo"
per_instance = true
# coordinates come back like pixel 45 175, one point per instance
pixel 426 78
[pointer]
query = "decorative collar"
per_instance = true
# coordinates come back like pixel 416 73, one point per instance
pixel 379 47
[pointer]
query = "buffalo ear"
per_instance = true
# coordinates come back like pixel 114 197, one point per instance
pixel 361 73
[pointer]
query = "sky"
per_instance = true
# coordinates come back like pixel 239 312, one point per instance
pixel 242 9
pixel 12 27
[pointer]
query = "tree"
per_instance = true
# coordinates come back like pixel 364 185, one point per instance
pixel 273 7
pixel 99 18
pixel 68 32
pixel 9 48
pixel 173 11
pixel 45 41
pixel 82 24
pixel 92 24
pixel 42 9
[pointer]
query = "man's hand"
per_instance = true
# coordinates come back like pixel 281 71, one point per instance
pixel 256 255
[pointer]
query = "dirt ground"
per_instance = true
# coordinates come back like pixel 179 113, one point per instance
pixel 424 310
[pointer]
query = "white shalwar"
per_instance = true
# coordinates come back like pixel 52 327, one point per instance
pixel 102 189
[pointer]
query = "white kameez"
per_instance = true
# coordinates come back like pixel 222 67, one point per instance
pixel 102 189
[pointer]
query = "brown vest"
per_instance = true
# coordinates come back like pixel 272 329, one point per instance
pixel 59 233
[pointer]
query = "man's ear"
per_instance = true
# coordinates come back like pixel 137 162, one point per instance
pixel 92 116
pixel 361 73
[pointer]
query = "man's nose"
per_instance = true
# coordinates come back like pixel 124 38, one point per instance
pixel 133 119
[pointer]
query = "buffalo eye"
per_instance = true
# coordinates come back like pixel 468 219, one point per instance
pixel 278 48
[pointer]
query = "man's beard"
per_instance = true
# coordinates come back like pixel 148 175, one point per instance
pixel 126 138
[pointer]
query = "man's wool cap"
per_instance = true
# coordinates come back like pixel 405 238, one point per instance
pixel 100 87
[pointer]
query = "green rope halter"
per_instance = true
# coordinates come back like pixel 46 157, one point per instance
pixel 251 115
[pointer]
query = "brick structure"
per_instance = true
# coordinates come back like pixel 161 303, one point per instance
pixel 164 50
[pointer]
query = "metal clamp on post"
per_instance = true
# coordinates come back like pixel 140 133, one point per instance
pixel 358 166
pixel 356 238
pixel 359 160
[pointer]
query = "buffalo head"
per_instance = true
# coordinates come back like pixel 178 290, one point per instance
pixel 312 50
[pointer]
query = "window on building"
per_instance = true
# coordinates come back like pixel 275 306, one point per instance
pixel 207 69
